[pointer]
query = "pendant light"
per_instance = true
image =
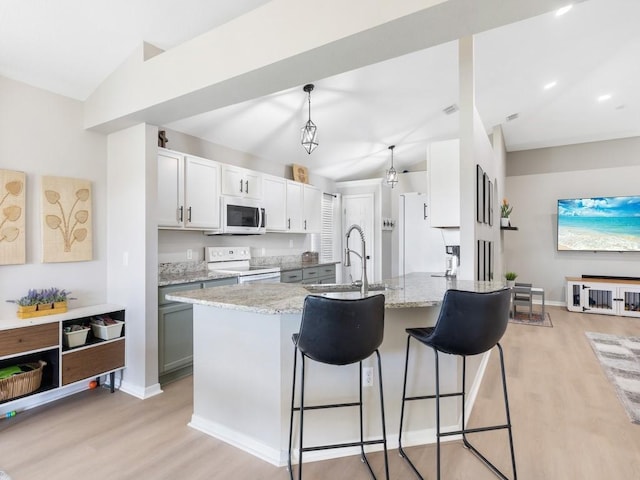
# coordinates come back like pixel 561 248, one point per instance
pixel 392 175
pixel 309 138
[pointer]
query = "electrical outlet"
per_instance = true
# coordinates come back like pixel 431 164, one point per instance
pixel 367 376
pixel 189 254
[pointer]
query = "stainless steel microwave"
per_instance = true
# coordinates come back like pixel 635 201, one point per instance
pixel 242 216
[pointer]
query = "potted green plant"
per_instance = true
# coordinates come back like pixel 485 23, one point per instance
pixel 505 211
pixel 511 279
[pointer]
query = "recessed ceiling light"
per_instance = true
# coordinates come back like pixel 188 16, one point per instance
pixel 564 10
pixel 604 98
pixel 550 85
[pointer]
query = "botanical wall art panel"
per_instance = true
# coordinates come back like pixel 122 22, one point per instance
pixel 66 220
pixel 12 222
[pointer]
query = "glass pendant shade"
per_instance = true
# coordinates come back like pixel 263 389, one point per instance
pixel 391 175
pixel 309 137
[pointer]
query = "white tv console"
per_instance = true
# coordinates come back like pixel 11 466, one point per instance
pixel 604 295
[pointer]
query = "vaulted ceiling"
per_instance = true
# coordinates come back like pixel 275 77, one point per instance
pixel 562 79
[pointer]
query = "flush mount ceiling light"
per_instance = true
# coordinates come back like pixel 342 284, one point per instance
pixel 309 137
pixel 550 85
pixel 392 175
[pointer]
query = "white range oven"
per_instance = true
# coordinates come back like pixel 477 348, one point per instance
pixel 237 260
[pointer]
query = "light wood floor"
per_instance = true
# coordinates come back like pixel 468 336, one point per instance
pixel 568 424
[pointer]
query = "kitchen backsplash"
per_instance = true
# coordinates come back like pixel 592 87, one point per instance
pixel 176 246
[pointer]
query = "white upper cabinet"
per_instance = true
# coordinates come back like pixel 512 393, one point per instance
pixel 312 222
pixel 188 192
pixel 274 191
pixel 294 206
pixel 241 182
pixel 170 189
pixel 303 208
pixel 202 193
pixel 443 172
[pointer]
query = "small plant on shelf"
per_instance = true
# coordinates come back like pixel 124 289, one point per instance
pixel 53 299
pixel 505 209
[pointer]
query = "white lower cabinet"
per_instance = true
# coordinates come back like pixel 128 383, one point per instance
pixel 607 296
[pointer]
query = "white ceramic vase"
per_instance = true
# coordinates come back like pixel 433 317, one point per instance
pixel 504 221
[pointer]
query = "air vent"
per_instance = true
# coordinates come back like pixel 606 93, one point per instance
pixel 513 116
pixel 451 109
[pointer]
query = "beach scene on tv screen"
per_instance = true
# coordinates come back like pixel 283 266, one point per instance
pixel 599 224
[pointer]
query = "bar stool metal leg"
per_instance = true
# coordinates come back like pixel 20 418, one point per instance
pixel 464 430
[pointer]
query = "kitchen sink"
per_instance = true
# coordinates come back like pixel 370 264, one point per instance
pixel 342 287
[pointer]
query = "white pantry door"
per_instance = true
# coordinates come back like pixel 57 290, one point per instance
pixel 358 210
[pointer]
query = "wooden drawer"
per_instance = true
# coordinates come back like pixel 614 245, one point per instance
pixel 25 339
pixel 92 361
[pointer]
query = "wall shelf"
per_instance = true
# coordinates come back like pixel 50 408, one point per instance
pixel 508 228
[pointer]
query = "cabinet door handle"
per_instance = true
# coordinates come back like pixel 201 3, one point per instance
pixel 305 224
pixel 246 186
pixel 288 224
pixel 425 211
pixel 181 210
pixel 240 185
pixel 189 214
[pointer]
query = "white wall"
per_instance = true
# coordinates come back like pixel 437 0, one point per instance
pixel 536 180
pixel 133 246
pixel 42 134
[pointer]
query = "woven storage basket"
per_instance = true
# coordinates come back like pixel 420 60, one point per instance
pixel 22 383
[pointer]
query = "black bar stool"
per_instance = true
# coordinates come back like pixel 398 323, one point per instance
pixel 469 324
pixel 338 332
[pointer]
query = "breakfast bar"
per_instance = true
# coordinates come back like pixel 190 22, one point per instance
pixel 243 364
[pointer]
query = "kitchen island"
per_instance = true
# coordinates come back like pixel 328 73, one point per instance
pixel 243 364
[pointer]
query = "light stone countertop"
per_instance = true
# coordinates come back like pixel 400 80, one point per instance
pixel 189 277
pixel 408 291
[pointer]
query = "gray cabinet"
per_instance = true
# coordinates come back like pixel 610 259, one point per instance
pixel 316 274
pixel 327 274
pixel 175 330
pixel 291 276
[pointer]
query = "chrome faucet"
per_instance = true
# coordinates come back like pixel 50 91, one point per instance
pixel 364 285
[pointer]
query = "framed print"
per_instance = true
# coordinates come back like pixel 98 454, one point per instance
pixel 480 265
pixel 479 194
pixel 67 235
pixel 12 221
pixel 485 190
pixel 300 174
pixel 490 203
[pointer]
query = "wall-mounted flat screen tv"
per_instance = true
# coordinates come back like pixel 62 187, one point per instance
pixel 610 224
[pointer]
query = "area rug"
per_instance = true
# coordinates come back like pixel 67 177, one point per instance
pixel 522 318
pixel 620 360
